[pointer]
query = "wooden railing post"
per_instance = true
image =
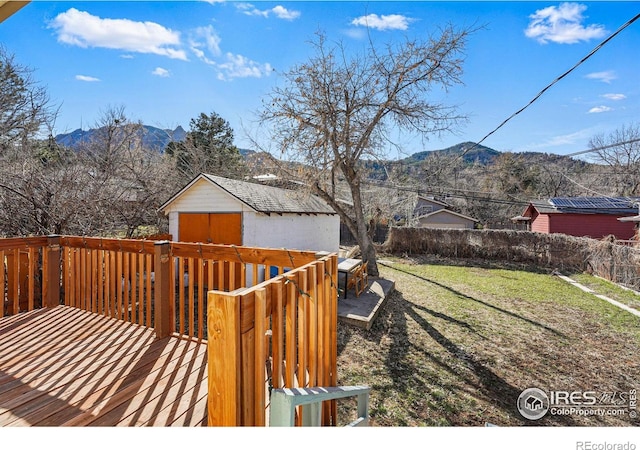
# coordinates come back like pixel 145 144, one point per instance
pixel 225 362
pixel 162 294
pixel 52 269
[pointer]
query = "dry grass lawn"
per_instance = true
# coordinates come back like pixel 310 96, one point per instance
pixel 456 344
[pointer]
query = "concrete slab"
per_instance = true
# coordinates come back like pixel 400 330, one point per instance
pixel 361 311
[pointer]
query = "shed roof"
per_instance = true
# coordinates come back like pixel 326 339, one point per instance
pixel 432 200
pixel 261 198
pixel 449 212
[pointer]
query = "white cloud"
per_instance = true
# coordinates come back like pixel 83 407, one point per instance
pixel 563 140
pixel 279 11
pixel 355 33
pixel 161 72
pixel 569 139
pixel 85 30
pixel 600 109
pixel 606 77
pixel 208 38
pixel 238 66
pixel 562 24
pixel 283 13
pixel 383 23
pixel 250 10
pixel 614 97
pixel 86 78
pixel 204 42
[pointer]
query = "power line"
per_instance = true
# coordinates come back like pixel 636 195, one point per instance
pixel 632 141
pixel 448 193
pixel 589 55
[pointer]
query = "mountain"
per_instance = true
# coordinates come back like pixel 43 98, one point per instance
pixel 411 165
pixel 152 137
pixel 478 154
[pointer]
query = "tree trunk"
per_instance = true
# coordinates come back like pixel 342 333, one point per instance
pixel 365 242
pixel 368 251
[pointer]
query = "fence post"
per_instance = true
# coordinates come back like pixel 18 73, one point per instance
pixel 224 359
pixel 52 275
pixel 162 295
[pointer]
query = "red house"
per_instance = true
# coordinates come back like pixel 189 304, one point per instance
pixel 594 217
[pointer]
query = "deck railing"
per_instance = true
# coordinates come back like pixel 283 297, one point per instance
pixel 117 278
pixel 270 319
pixel 278 334
pixel 22 284
pixel 200 268
pixel 111 277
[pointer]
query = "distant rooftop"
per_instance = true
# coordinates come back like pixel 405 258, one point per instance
pixel 588 205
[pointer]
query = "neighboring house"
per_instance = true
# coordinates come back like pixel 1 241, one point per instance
pixel 432 213
pixel 594 217
pixel 218 210
pixel 427 205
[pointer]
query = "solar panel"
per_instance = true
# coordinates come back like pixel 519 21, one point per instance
pixel 595 202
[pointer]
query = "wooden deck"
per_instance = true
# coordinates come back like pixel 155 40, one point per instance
pixel 66 367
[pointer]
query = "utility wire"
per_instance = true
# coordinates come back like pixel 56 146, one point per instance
pixel 632 141
pixel 591 53
pixel 446 192
pixel 584 187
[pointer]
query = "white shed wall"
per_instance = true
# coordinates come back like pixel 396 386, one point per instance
pixel 293 231
pixel 202 196
pixel 173 225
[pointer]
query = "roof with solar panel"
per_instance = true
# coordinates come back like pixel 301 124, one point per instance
pixel 589 205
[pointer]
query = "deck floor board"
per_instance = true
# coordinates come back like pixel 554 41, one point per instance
pixel 67 367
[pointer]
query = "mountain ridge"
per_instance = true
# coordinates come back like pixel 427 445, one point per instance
pixel 474 153
pixel 158 138
pixel 152 137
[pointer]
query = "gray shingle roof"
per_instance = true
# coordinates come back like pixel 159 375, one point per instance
pixel 269 199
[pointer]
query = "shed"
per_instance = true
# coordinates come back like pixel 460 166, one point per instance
pixel 594 217
pixel 445 218
pixel 432 213
pixel 212 209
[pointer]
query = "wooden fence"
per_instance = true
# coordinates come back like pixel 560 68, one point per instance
pixel 271 315
pixel 278 334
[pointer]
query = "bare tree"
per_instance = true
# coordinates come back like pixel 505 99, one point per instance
pixel 111 186
pixel 620 151
pixel 24 105
pixel 128 182
pixel 337 110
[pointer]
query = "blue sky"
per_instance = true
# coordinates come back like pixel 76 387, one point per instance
pixel 166 62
